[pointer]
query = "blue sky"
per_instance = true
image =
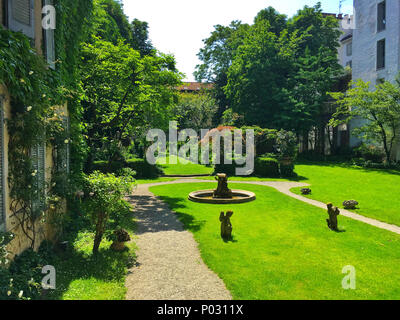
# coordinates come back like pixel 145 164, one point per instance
pixel 179 26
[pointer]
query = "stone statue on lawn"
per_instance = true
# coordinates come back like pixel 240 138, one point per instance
pixel 333 213
pixel 226 225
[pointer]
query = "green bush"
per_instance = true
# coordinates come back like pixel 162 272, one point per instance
pixel 22 280
pixel 266 167
pixel 143 169
pixel 287 170
pixel 105 167
pixel 104 202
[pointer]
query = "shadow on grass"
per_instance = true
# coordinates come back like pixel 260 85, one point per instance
pixel 78 263
pixel 347 165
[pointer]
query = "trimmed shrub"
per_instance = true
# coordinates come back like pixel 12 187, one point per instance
pixel 104 167
pixel 287 170
pixel 143 168
pixel 266 167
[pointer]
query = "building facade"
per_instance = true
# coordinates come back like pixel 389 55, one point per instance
pixel 371 47
pixel 24 16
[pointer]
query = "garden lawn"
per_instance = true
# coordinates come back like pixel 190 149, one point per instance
pixel 377 191
pixel 283 249
pixel 82 276
pixel 184 168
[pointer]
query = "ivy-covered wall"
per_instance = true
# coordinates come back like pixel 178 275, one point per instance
pixel 38 100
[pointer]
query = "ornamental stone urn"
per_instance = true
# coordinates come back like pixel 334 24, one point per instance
pixel 350 204
pixel 120 237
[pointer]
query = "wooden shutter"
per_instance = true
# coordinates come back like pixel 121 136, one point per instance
pixel 21 16
pixel 38 154
pixel 49 42
pixel 64 150
pixel 2 178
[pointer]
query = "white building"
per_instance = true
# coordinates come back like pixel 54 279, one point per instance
pixel 371 47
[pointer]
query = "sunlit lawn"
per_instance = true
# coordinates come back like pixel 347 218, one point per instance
pixel 283 249
pixel 182 167
pixel 377 191
pixel 82 276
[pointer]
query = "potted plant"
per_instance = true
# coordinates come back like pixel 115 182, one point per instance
pixel 119 238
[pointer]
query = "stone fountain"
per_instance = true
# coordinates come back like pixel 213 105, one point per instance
pixel 222 195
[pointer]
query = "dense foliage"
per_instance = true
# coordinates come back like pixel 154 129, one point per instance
pixel 104 202
pixel 275 73
pixel 380 109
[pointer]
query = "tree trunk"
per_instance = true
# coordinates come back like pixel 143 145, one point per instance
pixel 99 233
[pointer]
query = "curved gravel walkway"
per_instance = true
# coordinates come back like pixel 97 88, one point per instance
pixel 169 265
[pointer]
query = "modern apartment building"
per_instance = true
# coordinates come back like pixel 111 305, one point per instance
pixel 370 45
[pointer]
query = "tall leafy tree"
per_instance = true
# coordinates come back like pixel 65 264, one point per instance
pixel 125 94
pixel 379 110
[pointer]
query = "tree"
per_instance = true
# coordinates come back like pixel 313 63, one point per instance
pixel 216 56
pixel 104 201
pixel 195 110
pixel 140 37
pixel 378 110
pixel 258 79
pixel 124 95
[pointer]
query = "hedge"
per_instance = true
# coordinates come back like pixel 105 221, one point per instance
pixel 266 167
pixel 143 169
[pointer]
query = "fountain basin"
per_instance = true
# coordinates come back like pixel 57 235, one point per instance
pixel 206 196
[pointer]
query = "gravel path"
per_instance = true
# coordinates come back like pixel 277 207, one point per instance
pixel 169 265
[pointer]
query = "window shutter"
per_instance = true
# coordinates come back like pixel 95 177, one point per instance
pixel 2 179
pixel 38 154
pixel 49 43
pixel 21 16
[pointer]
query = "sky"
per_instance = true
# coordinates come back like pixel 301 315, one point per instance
pixel 178 27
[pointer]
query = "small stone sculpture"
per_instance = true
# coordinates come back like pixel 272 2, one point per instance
pixel 306 191
pixel 350 204
pixel 226 225
pixel 333 213
pixel 222 190
pixel 120 237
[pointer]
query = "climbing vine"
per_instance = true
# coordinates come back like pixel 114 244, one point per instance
pixel 35 92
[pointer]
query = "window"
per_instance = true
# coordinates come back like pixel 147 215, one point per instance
pixel 2 179
pixel 349 64
pixel 381 51
pixel 381 16
pixel 349 49
pixel 20 16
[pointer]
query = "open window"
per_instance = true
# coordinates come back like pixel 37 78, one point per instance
pixel 20 16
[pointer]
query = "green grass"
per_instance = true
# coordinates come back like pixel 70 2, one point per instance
pixel 283 249
pixel 83 276
pixel 157 180
pixel 244 178
pixel 377 191
pixel 183 168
